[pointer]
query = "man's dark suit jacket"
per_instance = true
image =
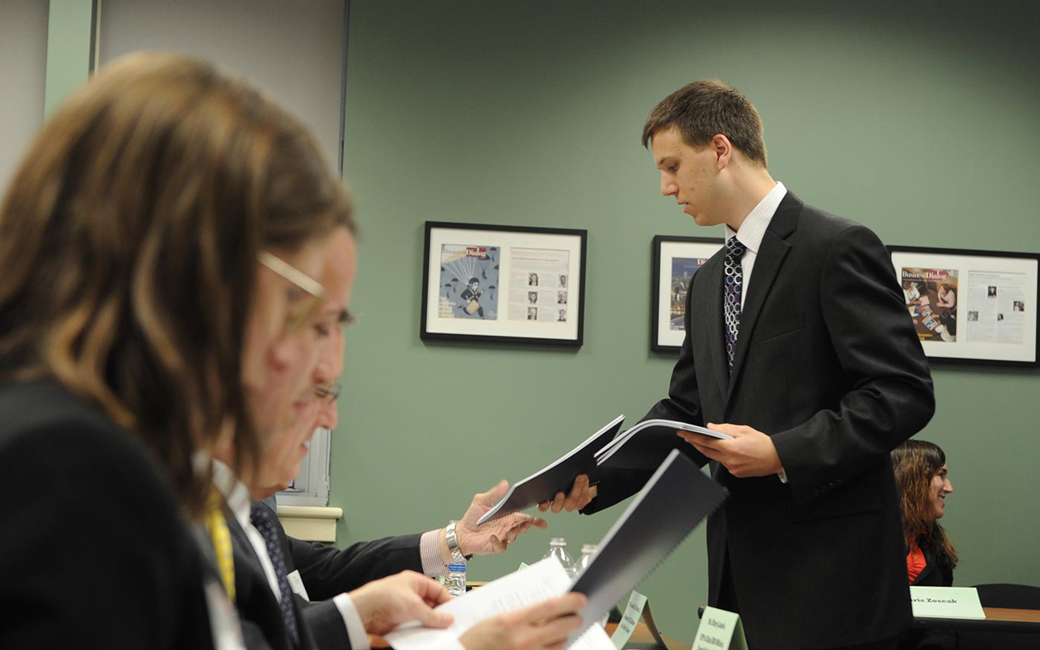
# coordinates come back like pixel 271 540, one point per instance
pixel 263 627
pixel 326 572
pixel 829 365
pixel 92 545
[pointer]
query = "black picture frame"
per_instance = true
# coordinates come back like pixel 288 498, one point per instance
pixel 503 284
pixel 667 298
pixel 972 306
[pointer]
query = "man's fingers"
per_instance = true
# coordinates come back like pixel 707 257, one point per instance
pixel 557 504
pixel 698 438
pixel 710 452
pixel 552 608
pixel 495 493
pixel 431 591
pixel 556 631
pixel 544 505
pixel 431 618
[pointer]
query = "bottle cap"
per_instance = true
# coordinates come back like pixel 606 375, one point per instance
pixel 589 548
pixel 557 541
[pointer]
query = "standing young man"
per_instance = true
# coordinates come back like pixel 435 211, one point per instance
pixel 800 346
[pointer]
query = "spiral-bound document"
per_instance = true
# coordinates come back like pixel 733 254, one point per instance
pixel 674 501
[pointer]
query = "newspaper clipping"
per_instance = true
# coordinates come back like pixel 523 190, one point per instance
pixel 683 269
pixel 996 307
pixel 931 297
pixel 469 282
pixel 539 285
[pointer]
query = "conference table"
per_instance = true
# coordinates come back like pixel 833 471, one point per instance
pixel 998 619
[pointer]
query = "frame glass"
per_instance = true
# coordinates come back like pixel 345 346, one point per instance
pixel 503 284
pixel 971 306
pixel 676 260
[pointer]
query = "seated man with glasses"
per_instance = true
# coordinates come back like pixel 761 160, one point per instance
pixel 320 576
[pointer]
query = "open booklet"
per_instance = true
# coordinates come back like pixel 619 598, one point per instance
pixel 655 440
pixel 545 483
pixel 646 451
pixel 674 501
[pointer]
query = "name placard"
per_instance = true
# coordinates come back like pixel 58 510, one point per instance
pixel 719 630
pixel 629 619
pixel 946 602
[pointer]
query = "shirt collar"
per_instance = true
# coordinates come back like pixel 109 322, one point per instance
pixel 753 229
pixel 235 492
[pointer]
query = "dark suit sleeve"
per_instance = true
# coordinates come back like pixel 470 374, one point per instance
pixel 682 404
pixel 890 396
pixel 325 624
pixel 327 571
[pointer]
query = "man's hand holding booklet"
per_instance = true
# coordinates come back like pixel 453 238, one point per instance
pixel 644 446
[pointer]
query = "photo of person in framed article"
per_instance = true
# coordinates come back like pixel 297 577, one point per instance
pixel 469 282
pixel 931 297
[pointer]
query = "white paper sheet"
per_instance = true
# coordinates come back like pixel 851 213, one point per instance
pixel 541 581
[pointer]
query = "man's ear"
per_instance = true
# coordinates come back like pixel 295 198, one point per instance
pixel 723 149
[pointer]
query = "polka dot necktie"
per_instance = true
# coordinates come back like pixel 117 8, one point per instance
pixel 734 284
pixel 261 519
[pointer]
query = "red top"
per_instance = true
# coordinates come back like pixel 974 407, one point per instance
pixel 915 563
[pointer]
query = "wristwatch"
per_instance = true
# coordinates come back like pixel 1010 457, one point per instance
pixel 453 543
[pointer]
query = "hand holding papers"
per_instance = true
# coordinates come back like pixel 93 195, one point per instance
pixel 496 536
pixel 646 451
pixel 675 500
pixel 514 593
pixel 557 477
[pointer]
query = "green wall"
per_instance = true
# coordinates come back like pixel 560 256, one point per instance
pixel 70 48
pixel 916 118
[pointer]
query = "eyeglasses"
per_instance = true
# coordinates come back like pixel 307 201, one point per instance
pixel 303 309
pixel 330 392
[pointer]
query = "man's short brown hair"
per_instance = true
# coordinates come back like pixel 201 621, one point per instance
pixel 702 109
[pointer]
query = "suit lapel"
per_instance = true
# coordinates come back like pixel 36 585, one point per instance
pixel 770 257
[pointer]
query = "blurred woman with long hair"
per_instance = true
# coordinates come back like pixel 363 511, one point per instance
pixel 156 244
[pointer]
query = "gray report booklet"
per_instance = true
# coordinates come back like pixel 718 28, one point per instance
pixel 643 446
pixel 557 477
pixel 676 499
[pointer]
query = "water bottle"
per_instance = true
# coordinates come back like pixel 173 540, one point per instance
pixel 456 580
pixel 558 550
pixel 588 551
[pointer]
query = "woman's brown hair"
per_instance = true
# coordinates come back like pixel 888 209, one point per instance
pixel 129 241
pixel 916 463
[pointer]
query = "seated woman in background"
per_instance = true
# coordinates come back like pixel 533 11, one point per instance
pixel 923 483
pixel 921 475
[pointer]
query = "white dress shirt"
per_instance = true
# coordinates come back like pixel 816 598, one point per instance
pixel 753 229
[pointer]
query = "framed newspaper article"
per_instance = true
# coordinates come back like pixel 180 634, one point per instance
pixel 504 284
pixel 676 260
pixel 971 306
